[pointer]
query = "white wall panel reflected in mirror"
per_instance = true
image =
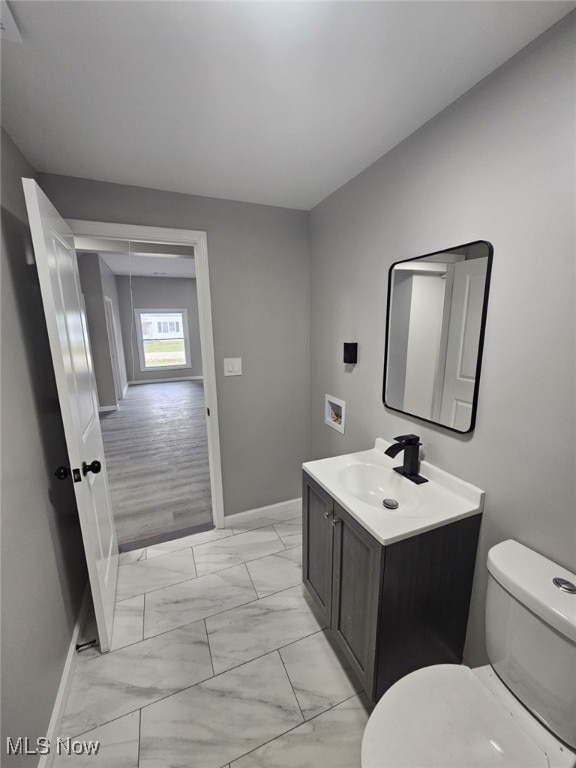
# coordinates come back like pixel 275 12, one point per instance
pixel 436 315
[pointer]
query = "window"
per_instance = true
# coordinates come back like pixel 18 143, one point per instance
pixel 162 338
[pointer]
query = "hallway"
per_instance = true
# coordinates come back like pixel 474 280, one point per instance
pixel 156 451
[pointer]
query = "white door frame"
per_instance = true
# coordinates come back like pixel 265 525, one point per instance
pixel 111 329
pixel 199 241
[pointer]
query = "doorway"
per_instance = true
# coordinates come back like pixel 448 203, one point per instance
pixel 159 414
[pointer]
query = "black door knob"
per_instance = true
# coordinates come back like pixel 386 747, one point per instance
pixel 95 467
pixel 62 473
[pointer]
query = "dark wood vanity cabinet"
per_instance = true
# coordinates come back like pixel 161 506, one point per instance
pixel 390 609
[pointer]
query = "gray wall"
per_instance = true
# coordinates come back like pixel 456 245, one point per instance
pixel 499 165
pixel 159 293
pixel 110 291
pixel 43 571
pixel 259 280
pixel 91 283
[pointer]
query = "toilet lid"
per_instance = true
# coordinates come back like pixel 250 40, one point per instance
pixel 443 717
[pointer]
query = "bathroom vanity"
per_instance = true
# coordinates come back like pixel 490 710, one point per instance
pixel 393 586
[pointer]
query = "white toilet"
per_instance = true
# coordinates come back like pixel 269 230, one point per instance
pixel 517 712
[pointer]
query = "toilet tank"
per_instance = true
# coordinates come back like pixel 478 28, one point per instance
pixel 531 634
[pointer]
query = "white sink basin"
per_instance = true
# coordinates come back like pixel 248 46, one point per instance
pixel 372 483
pixel 359 482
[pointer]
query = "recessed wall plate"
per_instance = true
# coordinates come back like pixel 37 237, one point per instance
pixel 334 413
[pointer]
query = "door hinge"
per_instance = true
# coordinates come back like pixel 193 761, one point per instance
pixel 84 646
pixel 208 411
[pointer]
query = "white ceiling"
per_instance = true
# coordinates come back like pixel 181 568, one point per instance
pixel 268 102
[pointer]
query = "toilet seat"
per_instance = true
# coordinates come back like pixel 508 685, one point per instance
pixel 444 717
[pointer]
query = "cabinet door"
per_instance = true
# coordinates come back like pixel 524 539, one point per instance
pixel 358 562
pixel 317 545
pixel 425 600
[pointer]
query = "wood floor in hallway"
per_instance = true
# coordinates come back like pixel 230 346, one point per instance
pixel 156 450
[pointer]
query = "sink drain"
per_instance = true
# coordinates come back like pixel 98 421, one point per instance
pixel 390 503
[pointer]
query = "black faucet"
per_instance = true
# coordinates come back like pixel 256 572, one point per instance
pixel 410 444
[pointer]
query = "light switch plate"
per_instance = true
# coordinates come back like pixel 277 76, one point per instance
pixel 232 366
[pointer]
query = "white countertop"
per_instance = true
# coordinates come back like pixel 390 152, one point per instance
pixel 444 499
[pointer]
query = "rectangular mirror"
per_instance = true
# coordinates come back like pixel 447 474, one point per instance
pixel 435 331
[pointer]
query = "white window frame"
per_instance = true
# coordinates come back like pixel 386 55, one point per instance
pixel 185 334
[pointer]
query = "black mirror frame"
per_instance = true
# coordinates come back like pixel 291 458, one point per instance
pixel 480 340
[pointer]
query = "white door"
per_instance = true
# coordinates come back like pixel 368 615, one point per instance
pixel 463 341
pixel 72 360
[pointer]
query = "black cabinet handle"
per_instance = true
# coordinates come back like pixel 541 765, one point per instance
pixel 95 467
pixel 335 521
pixel 62 473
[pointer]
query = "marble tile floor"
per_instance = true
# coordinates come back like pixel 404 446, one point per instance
pixel 218 662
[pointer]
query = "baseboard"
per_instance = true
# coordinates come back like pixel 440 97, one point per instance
pixel 125 390
pixel 65 682
pixel 161 381
pixel 107 408
pixel 249 514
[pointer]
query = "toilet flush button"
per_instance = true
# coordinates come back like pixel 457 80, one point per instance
pixel 564 585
